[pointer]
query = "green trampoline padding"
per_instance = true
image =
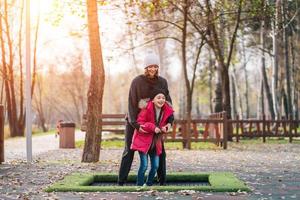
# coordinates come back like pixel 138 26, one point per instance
pixel 216 182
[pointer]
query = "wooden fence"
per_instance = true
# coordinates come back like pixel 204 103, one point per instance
pixel 214 131
pixel 263 128
pixel 215 128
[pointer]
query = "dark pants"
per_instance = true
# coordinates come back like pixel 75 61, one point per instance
pixel 127 158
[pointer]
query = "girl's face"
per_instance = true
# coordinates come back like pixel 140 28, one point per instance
pixel 159 100
pixel 152 70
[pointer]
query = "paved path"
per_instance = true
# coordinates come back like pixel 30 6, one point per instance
pixel 15 148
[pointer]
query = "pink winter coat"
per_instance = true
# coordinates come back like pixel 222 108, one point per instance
pixel 142 141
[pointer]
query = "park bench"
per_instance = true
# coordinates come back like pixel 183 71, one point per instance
pixel 113 123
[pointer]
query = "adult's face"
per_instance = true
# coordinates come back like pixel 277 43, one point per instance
pixel 152 70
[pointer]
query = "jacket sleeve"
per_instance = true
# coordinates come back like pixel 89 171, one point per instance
pixel 149 127
pixel 168 97
pixel 170 119
pixel 133 105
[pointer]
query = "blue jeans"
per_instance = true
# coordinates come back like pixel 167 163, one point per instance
pixel 143 167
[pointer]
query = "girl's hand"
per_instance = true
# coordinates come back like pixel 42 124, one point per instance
pixel 157 130
pixel 141 130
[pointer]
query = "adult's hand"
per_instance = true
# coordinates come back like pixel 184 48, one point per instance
pixel 166 128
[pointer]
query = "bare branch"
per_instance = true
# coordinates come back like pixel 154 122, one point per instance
pixel 155 39
pixel 166 21
pixel 196 63
pixel 158 30
pixel 234 34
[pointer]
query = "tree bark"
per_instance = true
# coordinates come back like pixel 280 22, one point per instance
pixel 91 151
pixel 211 71
pixel 12 112
pixel 233 97
pixel 21 120
pixel 239 98
pixel 246 93
pixel 187 143
pixel 287 63
pixel 275 61
pixel 261 104
pixel 263 70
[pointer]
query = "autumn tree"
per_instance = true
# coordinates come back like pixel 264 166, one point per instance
pixel 91 151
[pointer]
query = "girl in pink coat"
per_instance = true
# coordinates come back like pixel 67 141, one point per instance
pixel 154 120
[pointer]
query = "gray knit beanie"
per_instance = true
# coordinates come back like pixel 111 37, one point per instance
pixel 151 59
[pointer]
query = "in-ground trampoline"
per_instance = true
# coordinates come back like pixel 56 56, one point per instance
pixel 103 182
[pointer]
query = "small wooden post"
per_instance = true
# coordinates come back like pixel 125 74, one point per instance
pixel 291 125
pixel 195 130
pixel 250 130
pixel 284 123
pixel 264 129
pixel 237 128
pixel 1 134
pixel 183 134
pixel 268 125
pixel 295 127
pixel 225 130
pixel 242 127
pixel 174 130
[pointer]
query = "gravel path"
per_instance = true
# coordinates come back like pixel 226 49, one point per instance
pixel 271 171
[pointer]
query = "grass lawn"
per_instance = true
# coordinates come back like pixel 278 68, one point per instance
pixel 119 143
pixel 113 144
pixel 269 141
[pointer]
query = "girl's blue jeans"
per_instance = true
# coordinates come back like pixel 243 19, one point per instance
pixel 143 167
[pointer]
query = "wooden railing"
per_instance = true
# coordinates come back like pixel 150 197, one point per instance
pixel 215 128
pixel 263 128
pixel 116 123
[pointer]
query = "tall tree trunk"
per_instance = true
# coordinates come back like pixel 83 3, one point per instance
pixel 233 96
pixel 218 91
pixel 287 63
pixel 261 103
pixel 21 120
pixel 275 70
pixel 237 89
pixel 211 71
pixel 294 76
pixel 12 111
pixel 91 151
pixel 246 93
pixel 187 143
pixel 263 70
pixel 5 72
pixel 216 45
pixel 39 104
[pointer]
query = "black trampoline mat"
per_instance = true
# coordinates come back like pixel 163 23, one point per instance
pixel 171 183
